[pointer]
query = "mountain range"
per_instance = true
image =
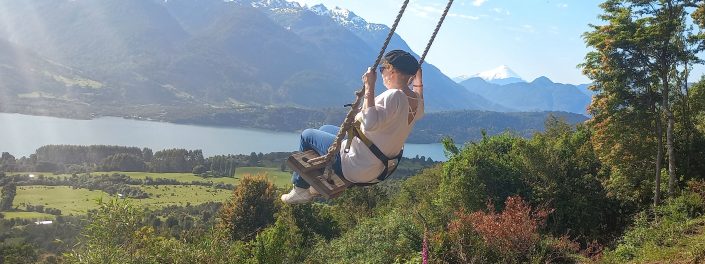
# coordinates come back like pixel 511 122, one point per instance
pixel 194 53
pixel 149 57
pixel 505 87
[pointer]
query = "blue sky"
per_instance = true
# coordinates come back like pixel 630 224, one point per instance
pixel 533 37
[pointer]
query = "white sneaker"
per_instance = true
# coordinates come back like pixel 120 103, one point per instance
pixel 297 196
pixel 313 192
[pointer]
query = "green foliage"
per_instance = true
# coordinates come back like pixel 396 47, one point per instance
pixel 280 243
pixel 483 170
pixel 8 196
pixel 72 154
pixel 418 197
pixel 662 228
pixel 297 230
pixel 123 162
pixel 250 209
pixel 389 238
pixel 115 234
pixel 109 236
pixel 449 147
pixel 17 253
pixel 564 173
pixel 176 160
pixel 638 66
pixel 357 204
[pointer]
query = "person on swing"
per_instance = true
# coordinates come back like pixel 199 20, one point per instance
pixel 386 120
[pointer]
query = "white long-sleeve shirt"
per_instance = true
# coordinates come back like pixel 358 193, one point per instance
pixel 386 125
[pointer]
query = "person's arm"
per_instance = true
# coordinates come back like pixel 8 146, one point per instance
pixel 369 79
pixel 418 83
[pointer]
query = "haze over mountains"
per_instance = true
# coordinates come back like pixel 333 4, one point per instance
pixel 211 54
pixel 505 87
pixel 198 52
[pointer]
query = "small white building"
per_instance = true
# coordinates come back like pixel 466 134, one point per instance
pixel 48 222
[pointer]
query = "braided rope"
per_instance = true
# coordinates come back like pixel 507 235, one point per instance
pixel 356 105
pixel 435 32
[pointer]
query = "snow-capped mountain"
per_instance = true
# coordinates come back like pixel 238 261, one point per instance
pixel 500 75
pixel 339 37
pixel 274 4
pixel 345 18
pixel 461 78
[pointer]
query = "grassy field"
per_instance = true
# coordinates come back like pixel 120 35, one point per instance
pixel 181 177
pixel 28 215
pixel 70 201
pixel 78 201
pixel 164 195
pixel 37 174
pixel 279 178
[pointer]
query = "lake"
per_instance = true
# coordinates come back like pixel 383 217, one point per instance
pixel 21 135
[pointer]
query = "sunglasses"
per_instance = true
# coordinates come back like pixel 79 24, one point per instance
pixel 382 68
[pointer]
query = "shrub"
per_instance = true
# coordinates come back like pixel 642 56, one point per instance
pixel 662 227
pixel 481 170
pixel 251 208
pixel 514 230
pixel 511 236
pixel 389 238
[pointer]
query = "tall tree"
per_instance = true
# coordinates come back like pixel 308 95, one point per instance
pixel 624 107
pixel 634 67
pixel 8 196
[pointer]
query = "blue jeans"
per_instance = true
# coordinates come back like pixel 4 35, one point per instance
pixel 318 140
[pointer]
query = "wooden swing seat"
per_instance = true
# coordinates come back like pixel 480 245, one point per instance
pixel 313 174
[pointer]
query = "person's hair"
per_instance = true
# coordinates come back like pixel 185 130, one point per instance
pixel 401 61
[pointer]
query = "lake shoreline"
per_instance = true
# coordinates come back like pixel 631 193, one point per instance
pixel 23 134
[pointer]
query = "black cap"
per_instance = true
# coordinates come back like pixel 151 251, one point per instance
pixel 402 61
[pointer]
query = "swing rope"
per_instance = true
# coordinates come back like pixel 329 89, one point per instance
pixel 355 108
pixel 435 32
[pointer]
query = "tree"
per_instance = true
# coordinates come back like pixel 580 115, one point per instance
pixel 7 162
pixel 251 208
pixel 637 54
pixel 123 162
pixel 8 196
pixel 110 235
pixel 564 173
pixel 483 170
pixel 147 154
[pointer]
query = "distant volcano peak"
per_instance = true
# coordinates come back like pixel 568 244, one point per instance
pixel 500 75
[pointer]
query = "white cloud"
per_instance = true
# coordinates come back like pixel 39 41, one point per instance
pixel 478 2
pixel 431 11
pixel 501 11
pixel 424 10
pixel 464 16
pixel 563 5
